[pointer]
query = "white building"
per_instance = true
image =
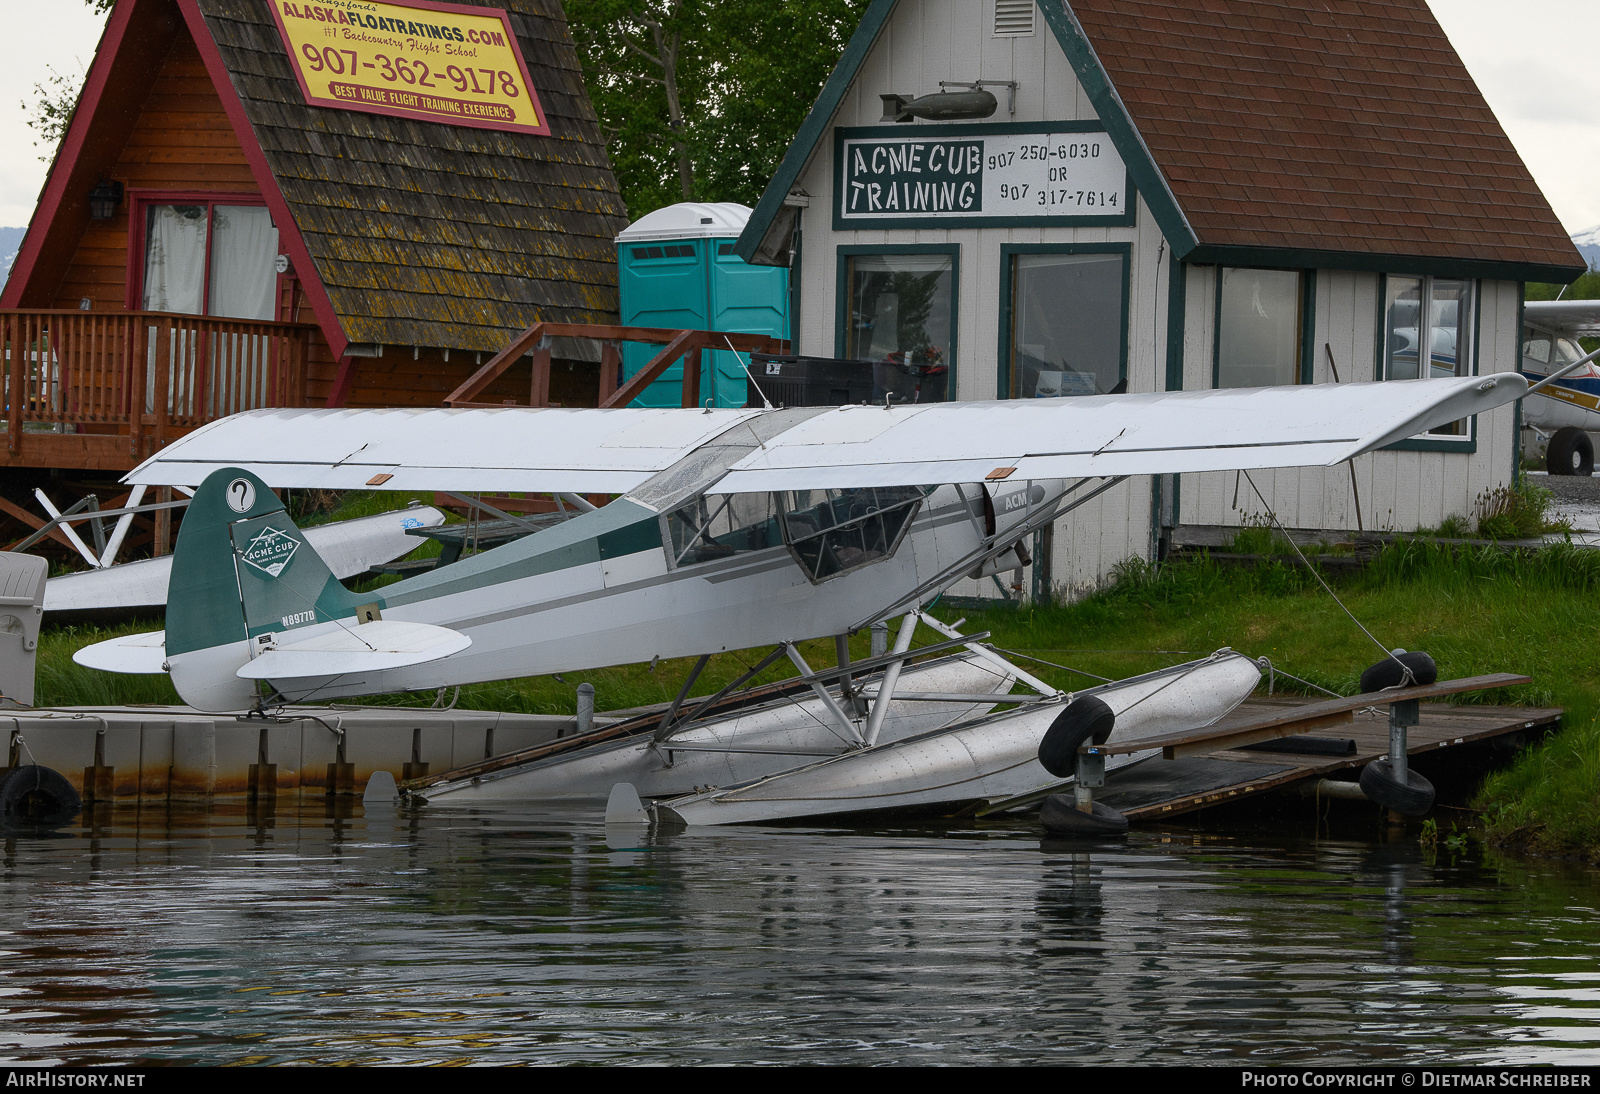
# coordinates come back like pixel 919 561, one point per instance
pixel 1169 196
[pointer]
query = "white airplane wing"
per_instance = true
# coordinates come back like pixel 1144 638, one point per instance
pixel 514 448
pixel 612 451
pixel 1102 435
pixel 1574 318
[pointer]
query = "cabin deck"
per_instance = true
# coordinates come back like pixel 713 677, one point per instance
pixel 1159 788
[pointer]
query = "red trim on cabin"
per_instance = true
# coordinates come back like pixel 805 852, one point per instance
pixel 289 237
pixel 541 130
pixel 342 383
pixel 139 202
pixel 55 193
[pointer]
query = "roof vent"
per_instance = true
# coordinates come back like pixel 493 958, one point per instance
pixel 1013 18
pixel 705 220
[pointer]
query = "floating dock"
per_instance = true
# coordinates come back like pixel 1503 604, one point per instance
pixel 156 754
pixel 1159 788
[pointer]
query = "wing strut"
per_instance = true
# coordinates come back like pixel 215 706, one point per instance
pixel 944 577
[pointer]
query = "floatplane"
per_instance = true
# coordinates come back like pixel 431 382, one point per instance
pixel 733 529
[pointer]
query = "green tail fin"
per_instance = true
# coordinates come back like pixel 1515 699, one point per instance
pixel 241 568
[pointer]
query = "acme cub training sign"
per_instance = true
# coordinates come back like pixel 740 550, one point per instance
pixel 916 175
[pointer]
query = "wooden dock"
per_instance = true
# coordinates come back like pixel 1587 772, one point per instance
pixel 1161 788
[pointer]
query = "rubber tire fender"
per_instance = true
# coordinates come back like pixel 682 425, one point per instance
pixel 1412 800
pixel 1061 816
pixel 1387 674
pixel 32 795
pixel 1570 452
pixel 1086 716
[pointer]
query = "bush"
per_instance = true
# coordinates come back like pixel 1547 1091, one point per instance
pixel 1517 512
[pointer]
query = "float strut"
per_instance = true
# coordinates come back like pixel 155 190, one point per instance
pixel 1090 774
pixel 1401 715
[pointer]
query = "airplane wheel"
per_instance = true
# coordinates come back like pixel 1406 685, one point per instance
pixel 1083 718
pixel 37 796
pixel 1570 452
pixel 1387 674
pixel 1061 816
pixel 1413 799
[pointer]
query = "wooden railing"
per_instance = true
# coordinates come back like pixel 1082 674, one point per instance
pixel 536 341
pixel 142 374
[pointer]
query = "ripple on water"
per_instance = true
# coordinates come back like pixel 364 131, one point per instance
pixel 447 937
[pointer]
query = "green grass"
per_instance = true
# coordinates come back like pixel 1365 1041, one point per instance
pixel 1476 610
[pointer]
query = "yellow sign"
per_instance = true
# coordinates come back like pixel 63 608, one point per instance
pixel 434 62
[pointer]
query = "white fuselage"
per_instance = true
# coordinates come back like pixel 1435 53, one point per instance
pixel 635 606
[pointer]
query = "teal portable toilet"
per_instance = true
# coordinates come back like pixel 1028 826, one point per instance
pixel 676 268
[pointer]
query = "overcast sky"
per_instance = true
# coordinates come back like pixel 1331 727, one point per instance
pixel 1529 59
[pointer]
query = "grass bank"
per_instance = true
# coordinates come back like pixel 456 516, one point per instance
pixel 1475 610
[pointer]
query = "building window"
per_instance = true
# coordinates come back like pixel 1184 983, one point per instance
pixel 1260 327
pixel 210 258
pixel 1427 332
pixel 900 314
pixel 1068 322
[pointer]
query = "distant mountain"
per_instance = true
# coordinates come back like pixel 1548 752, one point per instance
pixel 10 243
pixel 1588 243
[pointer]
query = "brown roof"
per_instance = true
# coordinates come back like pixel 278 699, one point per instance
pixel 431 234
pixel 1339 125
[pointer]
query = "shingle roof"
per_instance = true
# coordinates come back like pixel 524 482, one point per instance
pixel 1340 125
pixel 431 234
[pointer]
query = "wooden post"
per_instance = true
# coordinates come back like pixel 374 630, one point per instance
pixel 163 364
pixel 163 524
pixel 138 365
pixel 610 369
pixel 17 396
pixel 691 378
pixel 539 385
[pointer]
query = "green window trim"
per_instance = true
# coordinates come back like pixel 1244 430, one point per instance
pixel 1007 251
pixel 841 299
pixel 1308 321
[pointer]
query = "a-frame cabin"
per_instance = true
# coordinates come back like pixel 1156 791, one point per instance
pixel 209 241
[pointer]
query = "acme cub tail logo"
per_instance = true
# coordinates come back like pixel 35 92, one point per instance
pixel 270 551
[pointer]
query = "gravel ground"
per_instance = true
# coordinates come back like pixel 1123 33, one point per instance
pixel 1577 498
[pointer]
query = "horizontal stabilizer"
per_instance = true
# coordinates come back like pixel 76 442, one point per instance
pixel 135 654
pixel 370 647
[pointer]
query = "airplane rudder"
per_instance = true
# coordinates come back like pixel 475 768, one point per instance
pixel 203 602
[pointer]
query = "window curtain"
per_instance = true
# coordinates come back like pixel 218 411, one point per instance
pixel 175 259
pixel 244 251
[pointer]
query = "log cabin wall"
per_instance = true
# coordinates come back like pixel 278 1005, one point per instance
pixel 181 142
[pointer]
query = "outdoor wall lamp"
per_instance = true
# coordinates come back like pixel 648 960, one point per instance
pixel 104 199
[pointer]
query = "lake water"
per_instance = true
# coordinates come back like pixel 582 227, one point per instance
pixel 507 937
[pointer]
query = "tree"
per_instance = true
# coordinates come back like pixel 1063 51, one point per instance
pixel 54 98
pixel 699 99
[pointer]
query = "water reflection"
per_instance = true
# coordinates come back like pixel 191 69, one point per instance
pixel 343 934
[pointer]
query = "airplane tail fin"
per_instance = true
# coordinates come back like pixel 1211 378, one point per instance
pixel 241 570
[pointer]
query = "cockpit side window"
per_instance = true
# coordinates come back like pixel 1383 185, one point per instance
pixel 834 531
pixel 1535 346
pixel 715 526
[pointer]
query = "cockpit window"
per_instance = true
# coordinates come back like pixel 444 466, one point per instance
pixel 1536 347
pixel 834 531
pixel 714 526
pixel 1567 351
